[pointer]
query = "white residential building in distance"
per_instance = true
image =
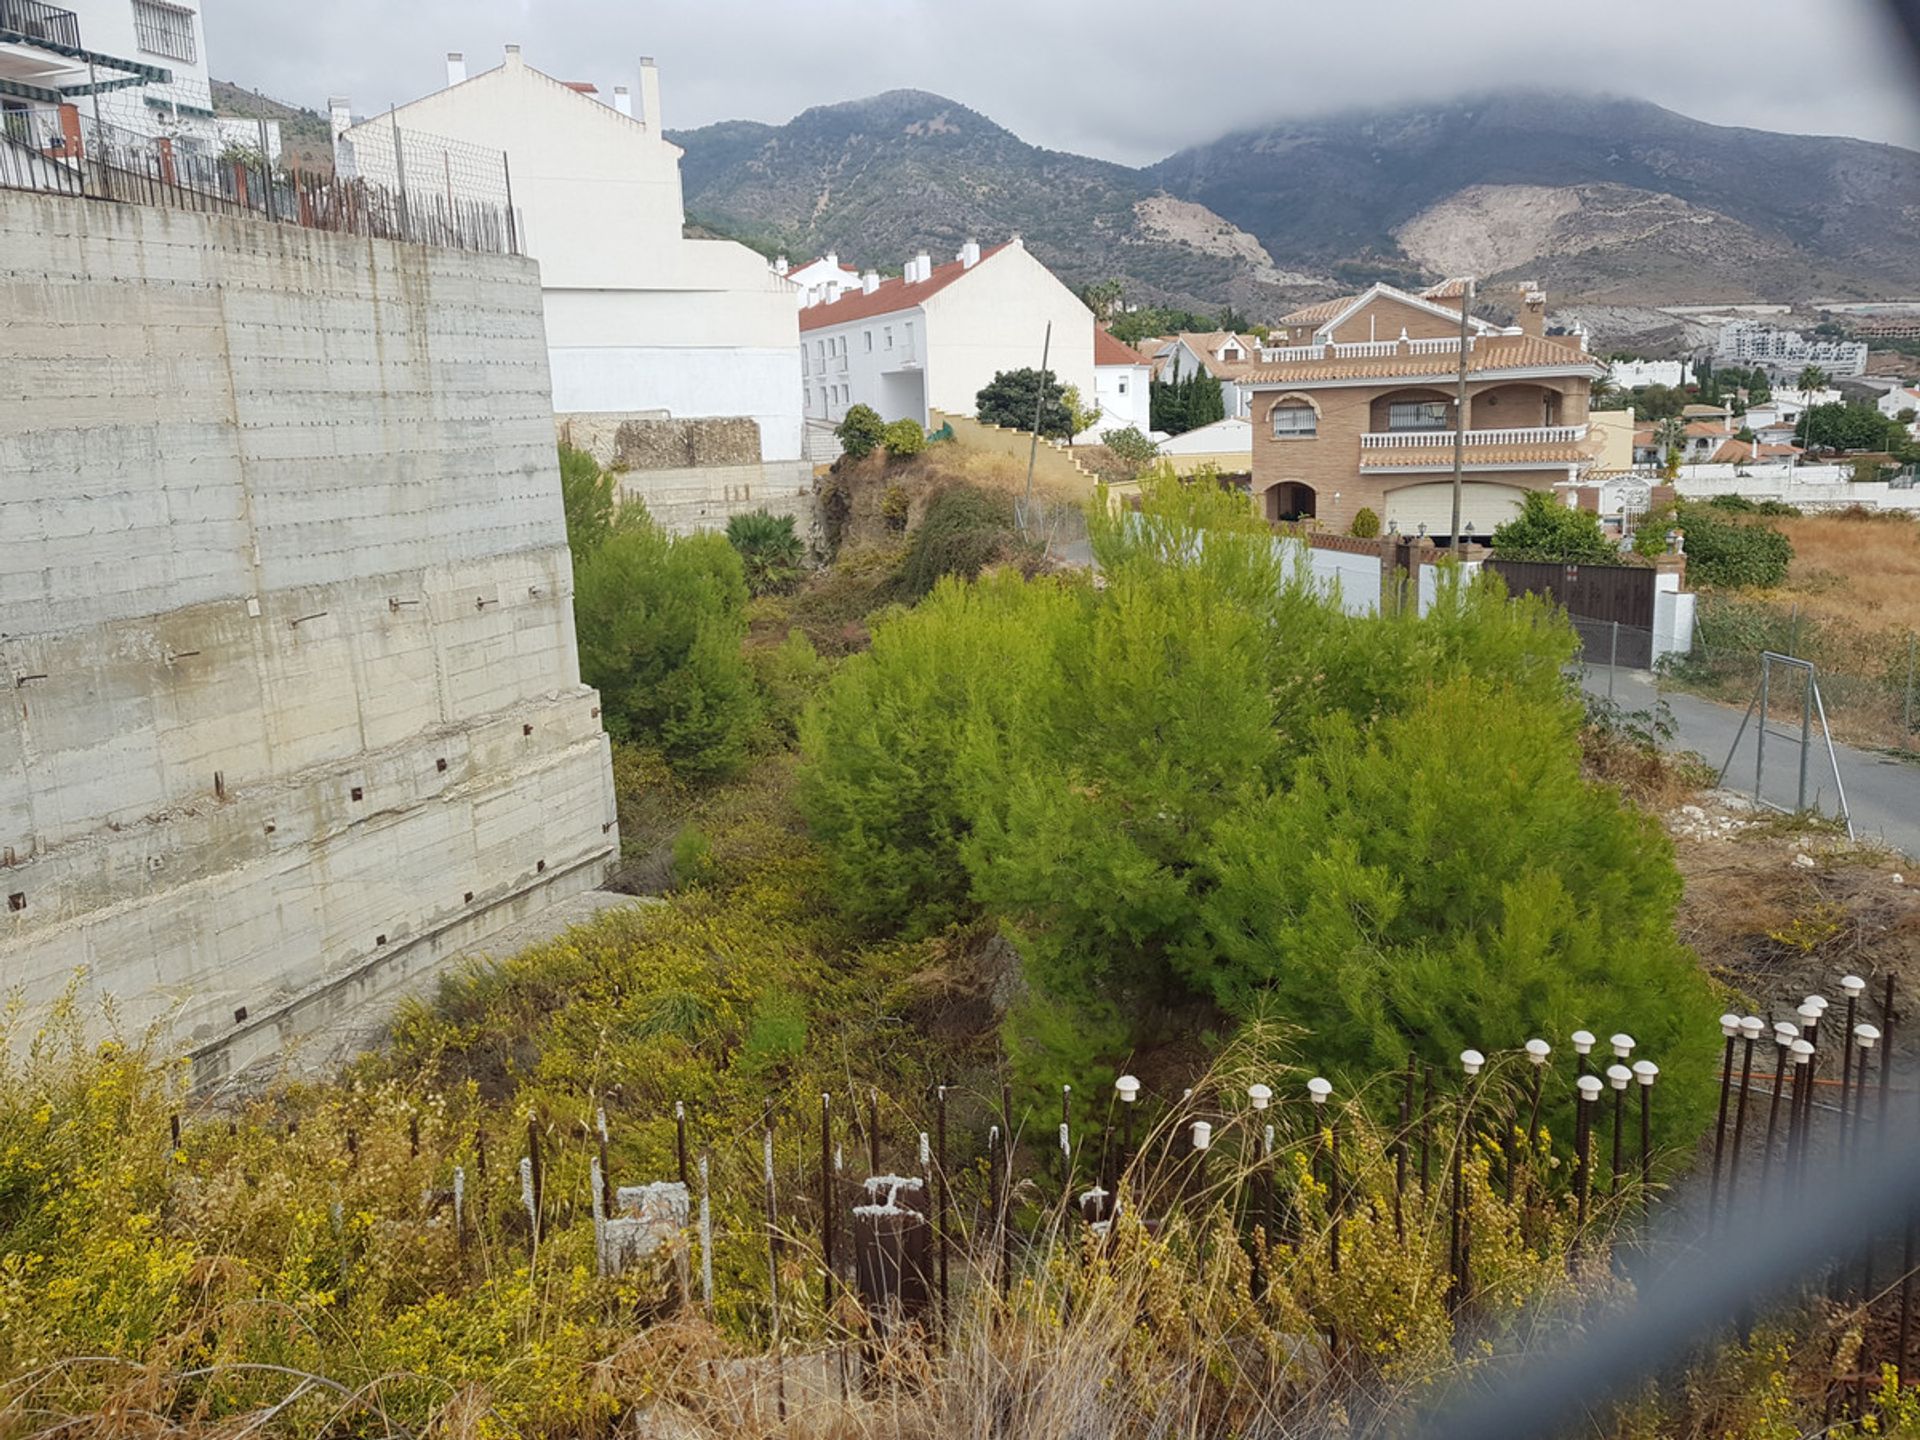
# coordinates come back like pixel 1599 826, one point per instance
pixel 818 280
pixel 1121 376
pixel 932 338
pixel 1784 353
pixel 1220 353
pixel 1632 374
pixel 139 66
pixel 640 319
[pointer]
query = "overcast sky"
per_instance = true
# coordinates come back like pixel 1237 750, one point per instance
pixel 1126 80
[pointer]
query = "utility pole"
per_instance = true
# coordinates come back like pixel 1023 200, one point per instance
pixel 1033 450
pixel 1460 413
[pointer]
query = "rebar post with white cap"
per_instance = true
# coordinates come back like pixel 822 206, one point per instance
pixel 1865 1037
pixel 1751 1028
pixel 1619 1077
pixel 1801 1054
pixel 1318 1089
pixel 1471 1062
pixel 1583 1043
pixel 1785 1032
pixel 1646 1072
pixel 1587 1090
pixel 1127 1087
pixel 1852 986
pixel 1810 1012
pixel 1730 1028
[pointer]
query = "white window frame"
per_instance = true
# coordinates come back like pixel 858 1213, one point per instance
pixel 1293 407
pixel 157 26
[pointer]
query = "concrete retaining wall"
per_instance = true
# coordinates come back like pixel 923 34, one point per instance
pixel 294 701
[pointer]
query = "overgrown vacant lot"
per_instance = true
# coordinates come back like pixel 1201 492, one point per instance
pixel 1007 834
pixel 1860 570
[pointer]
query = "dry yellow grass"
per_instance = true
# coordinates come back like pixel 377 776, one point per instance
pixel 1863 570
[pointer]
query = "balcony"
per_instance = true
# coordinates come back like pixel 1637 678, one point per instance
pixel 1517 447
pixel 1425 439
pixel 30 22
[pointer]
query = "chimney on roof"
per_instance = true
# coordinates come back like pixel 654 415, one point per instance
pixel 1533 310
pixel 833 260
pixel 340 113
pixel 780 265
pixel 513 57
pixel 869 282
pixel 833 291
pixel 649 95
pixel 456 68
pixel 623 100
pixel 922 267
pixel 969 255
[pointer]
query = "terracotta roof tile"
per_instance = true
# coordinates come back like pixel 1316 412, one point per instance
pixel 1109 350
pixel 890 295
pixel 1490 352
pixel 1318 313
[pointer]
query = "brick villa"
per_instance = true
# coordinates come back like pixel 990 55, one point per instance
pixel 1352 406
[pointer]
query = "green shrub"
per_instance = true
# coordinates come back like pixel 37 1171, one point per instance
pixel 965 529
pixel 1727 552
pixel 1366 524
pixel 1203 794
pixel 904 438
pixel 1547 528
pixel 1131 447
pixel 771 553
pixel 860 431
pixel 692 856
pixel 789 675
pixel 590 497
pixel 895 740
pixel 660 623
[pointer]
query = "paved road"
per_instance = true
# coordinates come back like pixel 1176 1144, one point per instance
pixel 1883 792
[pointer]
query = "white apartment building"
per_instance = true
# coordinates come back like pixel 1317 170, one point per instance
pixel 1121 376
pixel 137 65
pixel 639 318
pixel 1784 353
pixel 935 336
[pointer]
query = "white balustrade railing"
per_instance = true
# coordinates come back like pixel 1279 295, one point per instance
pixel 1520 435
pixel 1361 350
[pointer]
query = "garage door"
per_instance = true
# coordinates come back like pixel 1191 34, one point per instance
pixel 1485 506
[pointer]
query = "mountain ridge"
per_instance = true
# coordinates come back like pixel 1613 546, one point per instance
pixel 1649 206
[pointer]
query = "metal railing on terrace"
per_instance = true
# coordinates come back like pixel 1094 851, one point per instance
pixel 1361 349
pixel 1519 435
pixel 33 21
pixel 59 152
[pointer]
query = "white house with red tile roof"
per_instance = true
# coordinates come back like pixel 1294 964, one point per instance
pixel 639 318
pixel 1121 376
pixel 933 337
pixel 820 279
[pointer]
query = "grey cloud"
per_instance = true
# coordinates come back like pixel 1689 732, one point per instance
pixel 1127 80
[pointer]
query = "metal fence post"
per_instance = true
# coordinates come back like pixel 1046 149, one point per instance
pixel 1806 737
pixel 1906 698
pixel 1760 736
pixel 1613 660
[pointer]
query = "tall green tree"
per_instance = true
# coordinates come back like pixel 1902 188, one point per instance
pixel 660 622
pixel 1811 377
pixel 1010 398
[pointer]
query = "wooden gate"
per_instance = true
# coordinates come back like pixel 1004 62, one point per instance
pixel 1595 597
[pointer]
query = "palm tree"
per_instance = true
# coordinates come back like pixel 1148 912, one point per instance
pixel 1811 378
pixel 1671 436
pixel 770 551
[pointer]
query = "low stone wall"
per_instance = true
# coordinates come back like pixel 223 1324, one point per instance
pixel 647 441
pixel 694 498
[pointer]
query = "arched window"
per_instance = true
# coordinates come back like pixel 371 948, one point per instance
pixel 1293 419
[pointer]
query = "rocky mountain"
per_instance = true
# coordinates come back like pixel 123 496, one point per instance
pixel 882 178
pixel 1607 200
